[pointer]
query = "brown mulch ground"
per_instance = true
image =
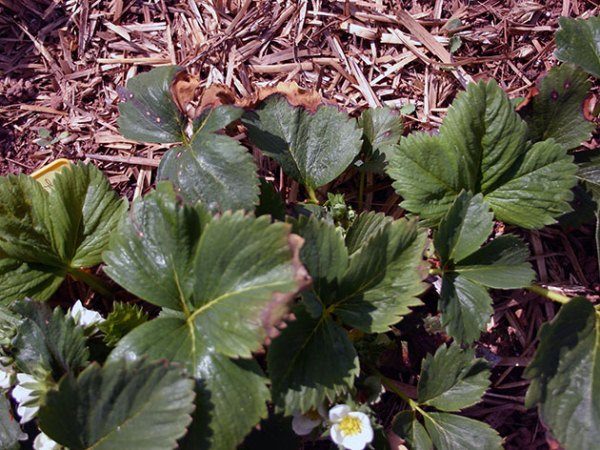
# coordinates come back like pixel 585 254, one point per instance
pixel 61 61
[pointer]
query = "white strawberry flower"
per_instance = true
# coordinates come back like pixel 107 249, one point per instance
pixel 303 424
pixel 85 317
pixel 27 394
pixel 43 442
pixel 350 429
pixel 6 377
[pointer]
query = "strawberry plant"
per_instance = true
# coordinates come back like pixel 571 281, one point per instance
pixel 239 311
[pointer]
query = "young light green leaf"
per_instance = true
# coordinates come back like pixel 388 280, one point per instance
pixel 10 431
pixel 122 319
pixel 468 270
pixel 578 41
pixel 557 110
pixel 147 110
pixel 311 361
pixel 213 168
pixel 313 148
pixel 452 432
pixel 483 148
pixel 564 375
pixel 121 405
pixel 407 427
pixel 47 339
pixel 223 385
pixel 453 379
pixel 45 235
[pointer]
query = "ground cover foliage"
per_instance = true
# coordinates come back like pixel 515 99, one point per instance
pixel 231 274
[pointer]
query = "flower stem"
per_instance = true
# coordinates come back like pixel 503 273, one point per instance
pixel 92 281
pixel 551 295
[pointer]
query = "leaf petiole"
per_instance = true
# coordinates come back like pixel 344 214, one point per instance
pixel 550 295
pixel 312 195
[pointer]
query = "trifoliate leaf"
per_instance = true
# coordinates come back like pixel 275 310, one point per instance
pixel 312 147
pixel 482 147
pixel 452 379
pixel 311 361
pixel 467 270
pixel 123 318
pixel 148 112
pixel 47 339
pixel 223 386
pixel 564 375
pixel 227 282
pixel 46 235
pixel 213 168
pixel 452 432
pixel 121 405
pixel 557 110
pixel 578 41
pixel 10 431
pixel 407 427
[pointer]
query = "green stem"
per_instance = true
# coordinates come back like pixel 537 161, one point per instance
pixel 312 195
pixel 388 383
pixel 361 190
pixel 92 281
pixel 551 295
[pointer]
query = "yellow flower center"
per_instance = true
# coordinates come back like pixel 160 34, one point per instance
pixel 350 426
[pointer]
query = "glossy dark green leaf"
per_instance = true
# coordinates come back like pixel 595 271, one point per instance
pixel 453 432
pixel 47 339
pixel 407 427
pixel 121 405
pixel 565 374
pixel 223 385
pixel 313 148
pixel 147 112
pixel 557 110
pixel 122 319
pixel 213 168
pixel 45 235
pixel 311 361
pixel 452 379
pixel 10 431
pixel 578 41
pixel 482 148
pixel 381 127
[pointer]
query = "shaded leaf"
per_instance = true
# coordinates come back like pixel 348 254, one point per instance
pixel 45 235
pixel 452 432
pixel 122 319
pixel 313 148
pixel 147 112
pixel 407 427
pixel 122 405
pixel 564 375
pixel 270 202
pixel 453 379
pixel 10 431
pixel 557 111
pixel 482 148
pixel 578 41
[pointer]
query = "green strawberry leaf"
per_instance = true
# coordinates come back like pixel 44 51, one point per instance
pixel 578 42
pixel 147 112
pixel 313 148
pixel 46 235
pixel 381 127
pixel 467 270
pixel 482 147
pixel 121 405
pixel 311 361
pixel 564 375
pixel 10 431
pixel 213 168
pixel 123 318
pixel 226 283
pixel 452 379
pixel 407 427
pixel 270 202
pixel 557 111
pixel 452 432
pixel 47 339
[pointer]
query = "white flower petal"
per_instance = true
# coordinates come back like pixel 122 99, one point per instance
pixel 336 435
pixel 85 317
pixel 23 378
pixel 43 442
pixel 27 413
pixel 358 442
pixel 5 379
pixel 338 412
pixel 303 425
pixel 21 394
